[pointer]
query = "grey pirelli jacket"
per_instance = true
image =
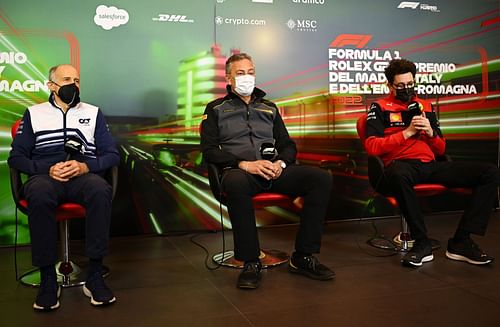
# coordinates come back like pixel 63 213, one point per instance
pixel 233 131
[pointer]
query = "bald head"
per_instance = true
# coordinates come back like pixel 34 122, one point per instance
pixel 63 71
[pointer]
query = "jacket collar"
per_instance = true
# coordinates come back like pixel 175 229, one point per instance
pixel 257 94
pixel 52 101
pixel 392 98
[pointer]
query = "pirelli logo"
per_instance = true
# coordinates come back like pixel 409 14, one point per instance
pixel 265 110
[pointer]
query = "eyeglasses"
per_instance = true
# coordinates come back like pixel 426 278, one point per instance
pixel 401 86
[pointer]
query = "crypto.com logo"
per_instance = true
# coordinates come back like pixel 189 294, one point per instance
pixel 172 18
pixel 415 5
pixel 357 40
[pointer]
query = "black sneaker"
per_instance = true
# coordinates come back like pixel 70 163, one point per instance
pixel 97 291
pixel 420 252
pixel 467 251
pixel 309 266
pixel 250 277
pixel 48 294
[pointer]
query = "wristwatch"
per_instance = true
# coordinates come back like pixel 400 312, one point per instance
pixel 282 164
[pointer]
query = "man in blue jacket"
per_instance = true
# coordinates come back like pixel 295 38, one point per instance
pixel 56 176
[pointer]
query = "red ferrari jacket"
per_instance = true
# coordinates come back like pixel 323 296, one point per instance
pixel 387 119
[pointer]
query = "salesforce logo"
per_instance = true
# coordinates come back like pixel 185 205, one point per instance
pixel 109 17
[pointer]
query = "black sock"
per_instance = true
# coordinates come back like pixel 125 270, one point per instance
pixel 95 265
pixel 48 271
pixel 423 240
pixel 299 254
pixel 252 261
pixel 461 235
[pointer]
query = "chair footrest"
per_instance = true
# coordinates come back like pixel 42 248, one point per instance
pixel 76 278
pixel 268 258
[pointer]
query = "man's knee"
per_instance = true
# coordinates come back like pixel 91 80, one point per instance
pixel 40 189
pixel 321 179
pixel 491 174
pixel 234 181
pixel 397 177
pixel 97 187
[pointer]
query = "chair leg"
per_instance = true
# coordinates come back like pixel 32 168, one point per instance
pixel 401 242
pixel 404 236
pixel 68 272
pixel 268 258
pixel 404 241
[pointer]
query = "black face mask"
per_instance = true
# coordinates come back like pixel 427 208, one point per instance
pixel 405 95
pixel 69 94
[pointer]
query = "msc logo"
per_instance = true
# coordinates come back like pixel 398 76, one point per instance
pixel 408 4
pixel 302 25
pixel 84 121
pixel 172 18
pixel 357 40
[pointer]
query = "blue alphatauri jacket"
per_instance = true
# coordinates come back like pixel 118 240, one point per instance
pixel 39 142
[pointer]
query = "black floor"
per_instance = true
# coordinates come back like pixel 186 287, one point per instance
pixel 162 281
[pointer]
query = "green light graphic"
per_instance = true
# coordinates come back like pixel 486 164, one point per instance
pixel 200 80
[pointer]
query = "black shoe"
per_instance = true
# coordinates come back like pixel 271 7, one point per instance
pixel 48 294
pixel 309 266
pixel 420 252
pixel 467 251
pixel 250 277
pixel 97 291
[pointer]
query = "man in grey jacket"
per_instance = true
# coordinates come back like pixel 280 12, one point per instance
pixel 236 132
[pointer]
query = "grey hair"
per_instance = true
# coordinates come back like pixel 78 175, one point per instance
pixel 236 57
pixel 52 73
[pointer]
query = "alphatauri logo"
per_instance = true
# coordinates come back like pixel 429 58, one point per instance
pixel 84 121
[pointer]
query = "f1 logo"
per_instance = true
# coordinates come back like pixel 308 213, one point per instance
pixel 408 4
pixel 358 40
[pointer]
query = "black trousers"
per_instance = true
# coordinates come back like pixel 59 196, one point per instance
pixel 483 178
pixel 44 193
pixel 314 184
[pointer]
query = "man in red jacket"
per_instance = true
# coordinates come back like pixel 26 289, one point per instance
pixel 404 131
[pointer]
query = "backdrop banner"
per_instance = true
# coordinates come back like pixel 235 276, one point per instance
pixel 152 67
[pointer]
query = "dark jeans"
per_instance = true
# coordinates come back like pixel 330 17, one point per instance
pixel 483 178
pixel 312 183
pixel 44 194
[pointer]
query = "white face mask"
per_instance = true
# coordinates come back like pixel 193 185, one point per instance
pixel 244 84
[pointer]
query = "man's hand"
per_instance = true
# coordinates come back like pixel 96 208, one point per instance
pixel 418 124
pixel 423 124
pixel 264 168
pixel 64 171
